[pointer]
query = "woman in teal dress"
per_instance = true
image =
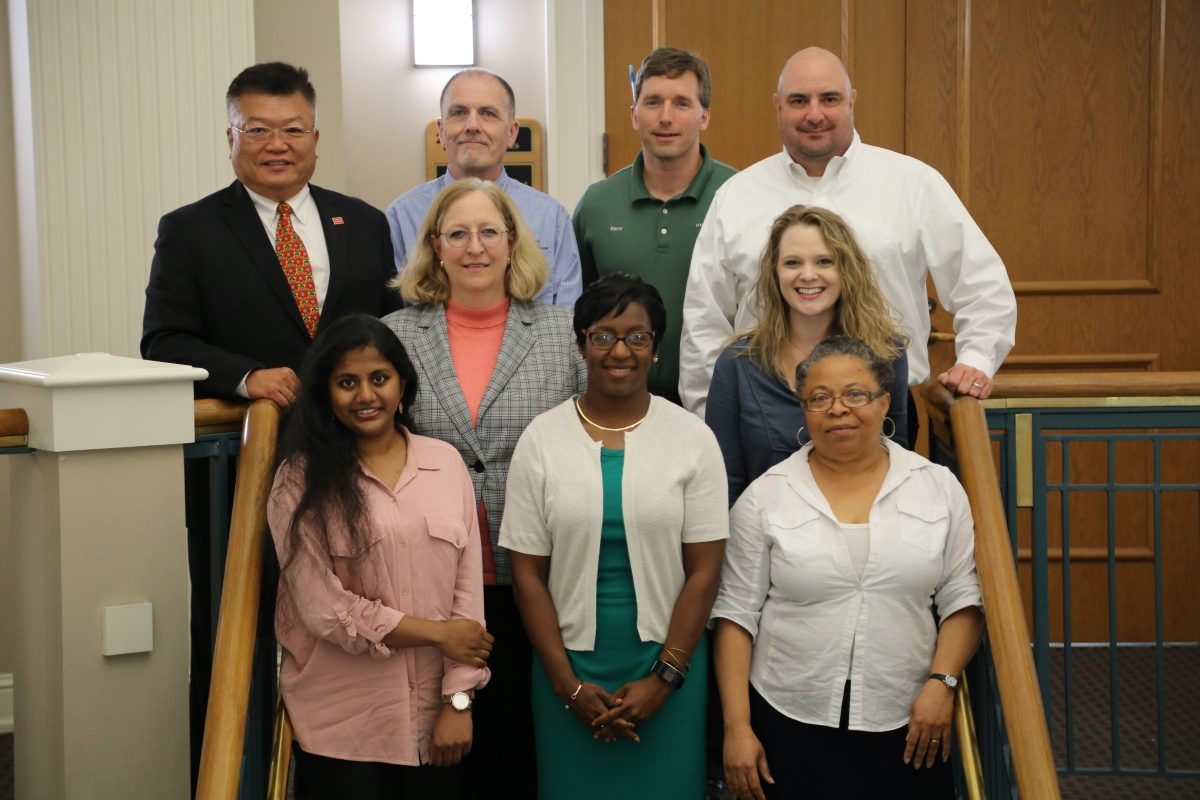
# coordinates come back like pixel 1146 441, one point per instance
pixel 616 524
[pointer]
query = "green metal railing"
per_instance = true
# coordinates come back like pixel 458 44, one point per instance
pixel 1094 443
pixel 1028 435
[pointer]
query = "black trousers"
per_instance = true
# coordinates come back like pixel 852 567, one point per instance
pixel 324 778
pixel 502 761
pixel 818 761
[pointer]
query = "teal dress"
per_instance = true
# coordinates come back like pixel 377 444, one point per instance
pixel 668 762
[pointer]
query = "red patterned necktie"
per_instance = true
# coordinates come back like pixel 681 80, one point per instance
pixel 296 267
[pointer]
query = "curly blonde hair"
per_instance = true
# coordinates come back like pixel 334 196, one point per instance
pixel 861 310
pixel 424 279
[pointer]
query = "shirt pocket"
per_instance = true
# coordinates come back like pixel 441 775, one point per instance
pixel 924 525
pixel 342 546
pixel 447 528
pixel 802 555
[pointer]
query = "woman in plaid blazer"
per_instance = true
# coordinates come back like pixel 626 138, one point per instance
pixel 489 360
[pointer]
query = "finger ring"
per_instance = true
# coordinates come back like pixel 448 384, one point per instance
pixel 934 741
pixel 977 385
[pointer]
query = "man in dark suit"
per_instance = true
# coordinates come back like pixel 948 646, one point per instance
pixel 243 279
pixel 218 296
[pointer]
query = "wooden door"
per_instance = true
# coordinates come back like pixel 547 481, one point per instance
pixel 1069 128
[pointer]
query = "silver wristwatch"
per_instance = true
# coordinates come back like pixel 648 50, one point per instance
pixel 459 701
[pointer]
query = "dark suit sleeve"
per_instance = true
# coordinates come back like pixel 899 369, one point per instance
pixel 173 324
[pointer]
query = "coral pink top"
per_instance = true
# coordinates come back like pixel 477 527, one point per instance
pixel 349 696
pixel 475 337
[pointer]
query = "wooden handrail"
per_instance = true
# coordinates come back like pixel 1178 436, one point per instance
pixel 229 696
pixel 212 414
pixel 1095 384
pixel 1020 697
pixel 968 743
pixel 281 754
pixel 14 427
pixel 14 422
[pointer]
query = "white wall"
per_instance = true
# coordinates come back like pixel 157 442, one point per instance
pixel 387 101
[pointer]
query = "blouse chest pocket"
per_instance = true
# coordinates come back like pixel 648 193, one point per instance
pixel 793 530
pixel 924 525
pixel 447 528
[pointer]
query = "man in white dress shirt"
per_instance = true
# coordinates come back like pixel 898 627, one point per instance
pixel 906 216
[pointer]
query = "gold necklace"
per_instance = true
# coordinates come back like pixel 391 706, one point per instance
pixel 629 427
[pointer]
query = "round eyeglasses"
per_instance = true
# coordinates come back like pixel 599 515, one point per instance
pixel 603 340
pixel 460 237
pixel 855 398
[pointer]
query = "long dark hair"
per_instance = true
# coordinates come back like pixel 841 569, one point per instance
pixel 323 451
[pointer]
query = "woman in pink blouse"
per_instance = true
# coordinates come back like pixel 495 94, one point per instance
pixel 380 610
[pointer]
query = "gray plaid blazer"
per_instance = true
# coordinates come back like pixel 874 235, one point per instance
pixel 538 367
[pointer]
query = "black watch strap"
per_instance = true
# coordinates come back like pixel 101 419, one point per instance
pixel 667 673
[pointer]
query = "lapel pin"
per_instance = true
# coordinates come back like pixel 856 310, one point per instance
pixel 338 221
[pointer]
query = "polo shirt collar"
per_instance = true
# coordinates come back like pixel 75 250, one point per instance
pixel 694 190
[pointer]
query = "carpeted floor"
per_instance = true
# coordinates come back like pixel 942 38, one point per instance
pixel 1137 723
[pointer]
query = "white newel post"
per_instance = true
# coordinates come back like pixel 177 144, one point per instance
pixel 100 566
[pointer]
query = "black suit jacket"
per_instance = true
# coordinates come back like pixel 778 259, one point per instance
pixel 218 299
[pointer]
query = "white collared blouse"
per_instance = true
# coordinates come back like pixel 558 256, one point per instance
pixel 789 581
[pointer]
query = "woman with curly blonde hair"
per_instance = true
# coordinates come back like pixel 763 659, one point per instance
pixel 814 281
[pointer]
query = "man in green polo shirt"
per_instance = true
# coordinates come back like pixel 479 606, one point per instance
pixel 643 220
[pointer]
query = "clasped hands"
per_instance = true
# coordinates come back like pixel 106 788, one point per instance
pixel 617 715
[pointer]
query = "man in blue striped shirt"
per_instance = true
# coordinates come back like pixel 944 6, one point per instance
pixel 478 124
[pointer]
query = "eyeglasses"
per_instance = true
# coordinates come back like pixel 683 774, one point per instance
pixel 261 133
pixel 855 398
pixel 488 237
pixel 603 340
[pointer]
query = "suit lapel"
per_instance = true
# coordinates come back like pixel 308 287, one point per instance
pixel 247 227
pixel 335 243
pixel 519 339
pixel 432 348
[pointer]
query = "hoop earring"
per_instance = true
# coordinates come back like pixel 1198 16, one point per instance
pixel 886 434
pixel 799 431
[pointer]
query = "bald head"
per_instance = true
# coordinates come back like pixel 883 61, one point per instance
pixel 812 60
pixel 814 106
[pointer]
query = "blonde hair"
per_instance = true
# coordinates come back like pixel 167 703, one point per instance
pixel 424 279
pixel 861 310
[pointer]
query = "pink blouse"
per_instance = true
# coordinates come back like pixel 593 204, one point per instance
pixel 349 696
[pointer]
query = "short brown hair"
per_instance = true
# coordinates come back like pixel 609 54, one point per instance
pixel 672 62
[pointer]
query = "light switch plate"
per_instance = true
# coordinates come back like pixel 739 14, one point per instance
pixel 128 629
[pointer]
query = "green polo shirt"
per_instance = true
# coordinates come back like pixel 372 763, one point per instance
pixel 621 227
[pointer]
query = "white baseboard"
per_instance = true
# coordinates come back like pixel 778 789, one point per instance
pixel 6 702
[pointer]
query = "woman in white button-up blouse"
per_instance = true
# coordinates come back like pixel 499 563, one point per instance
pixel 836 679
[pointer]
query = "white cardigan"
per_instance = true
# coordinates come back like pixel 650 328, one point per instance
pixel 673 491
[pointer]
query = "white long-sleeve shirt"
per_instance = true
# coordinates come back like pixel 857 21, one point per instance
pixel 790 581
pixel 908 221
